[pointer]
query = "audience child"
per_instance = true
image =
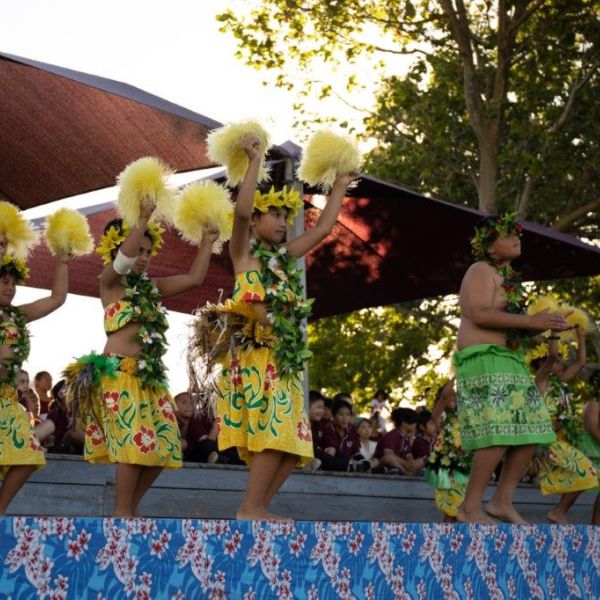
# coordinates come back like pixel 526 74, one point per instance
pixel 198 432
pixel 394 450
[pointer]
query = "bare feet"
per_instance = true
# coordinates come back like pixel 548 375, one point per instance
pixel 557 518
pixel 476 516
pixel 504 512
pixel 259 514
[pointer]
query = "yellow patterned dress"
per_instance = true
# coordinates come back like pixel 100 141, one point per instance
pixel 18 444
pixel 448 466
pixel 129 422
pixel 562 468
pixel 257 408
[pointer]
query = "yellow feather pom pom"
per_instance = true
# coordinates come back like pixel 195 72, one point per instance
pixel 21 236
pixel 327 155
pixel 68 233
pixel 543 303
pixel 146 176
pixel 200 204
pixel 224 147
pixel 577 318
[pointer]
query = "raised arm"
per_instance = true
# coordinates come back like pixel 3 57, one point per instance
pixel 131 246
pixel 60 286
pixel 477 304
pixel 324 225
pixel 242 215
pixel 177 284
pixel 573 370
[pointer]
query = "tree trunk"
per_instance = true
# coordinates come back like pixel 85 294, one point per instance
pixel 488 176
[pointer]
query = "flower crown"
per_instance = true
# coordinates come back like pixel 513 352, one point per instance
pixel 491 229
pixel 285 198
pixel 116 235
pixel 541 351
pixel 14 266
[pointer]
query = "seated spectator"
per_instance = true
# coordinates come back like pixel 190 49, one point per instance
pixel 380 407
pixel 198 432
pixel 43 385
pixel 344 396
pixel 394 450
pixel 327 414
pixel 316 412
pixel 377 432
pixel 22 385
pixel 426 432
pixel 55 432
pixel 31 402
pixel 367 445
pixel 340 438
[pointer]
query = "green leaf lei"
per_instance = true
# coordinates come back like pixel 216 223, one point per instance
pixel 280 276
pixel 516 303
pixel 22 346
pixel 145 303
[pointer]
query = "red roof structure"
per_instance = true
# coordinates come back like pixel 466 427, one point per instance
pixel 65 133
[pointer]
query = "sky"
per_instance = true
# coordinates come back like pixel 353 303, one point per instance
pixel 174 50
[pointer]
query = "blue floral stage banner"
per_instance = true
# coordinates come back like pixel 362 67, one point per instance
pixel 60 558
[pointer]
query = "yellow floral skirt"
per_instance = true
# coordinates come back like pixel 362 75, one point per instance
pixel 562 468
pixel 18 444
pixel 131 424
pixel 259 410
pixel 448 501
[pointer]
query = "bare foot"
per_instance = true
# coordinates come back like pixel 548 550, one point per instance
pixel 504 512
pixel 477 516
pixel 258 514
pixel 557 518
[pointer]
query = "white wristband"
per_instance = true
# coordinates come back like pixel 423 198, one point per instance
pixel 123 264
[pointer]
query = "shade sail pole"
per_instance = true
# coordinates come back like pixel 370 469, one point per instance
pixel 295 230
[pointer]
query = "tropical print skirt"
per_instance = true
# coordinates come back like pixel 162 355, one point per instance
pixel 18 444
pixel 131 424
pixel 498 401
pixel 259 410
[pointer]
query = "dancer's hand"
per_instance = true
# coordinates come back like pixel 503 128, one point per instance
pixel 343 180
pixel 210 233
pixel 147 206
pixel 545 320
pixel 251 146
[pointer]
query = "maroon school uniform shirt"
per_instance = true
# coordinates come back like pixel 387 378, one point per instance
pixel 421 447
pixel 396 442
pixel 316 428
pixel 61 424
pixel 198 427
pixel 348 444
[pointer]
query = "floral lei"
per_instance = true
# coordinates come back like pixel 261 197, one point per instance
pixel 144 298
pixel 568 420
pixel 447 452
pixel 22 346
pixel 281 276
pixel 516 303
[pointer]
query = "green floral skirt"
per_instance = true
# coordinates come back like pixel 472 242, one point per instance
pixel 498 401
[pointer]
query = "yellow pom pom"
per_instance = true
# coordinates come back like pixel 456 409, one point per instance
pixel 68 233
pixel 21 236
pixel 224 147
pixel 543 303
pixel 577 317
pixel 146 176
pixel 200 204
pixel 327 155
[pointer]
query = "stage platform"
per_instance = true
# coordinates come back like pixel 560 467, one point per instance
pixel 112 559
pixel 70 487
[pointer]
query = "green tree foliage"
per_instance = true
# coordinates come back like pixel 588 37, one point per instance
pixel 498 110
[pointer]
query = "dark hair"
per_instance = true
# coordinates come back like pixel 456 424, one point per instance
pixel 360 421
pixel 118 224
pixel 536 363
pixel 315 396
pixel 423 418
pixel 56 389
pixel 339 404
pixel 595 378
pixel 343 396
pixel 381 393
pixel 328 402
pixel 10 270
pixel 404 415
pixel 41 374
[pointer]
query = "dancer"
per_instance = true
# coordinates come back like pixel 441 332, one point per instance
pixel 500 409
pixel 20 452
pixel 448 465
pixel 561 468
pixel 260 400
pixel 589 441
pixel 121 397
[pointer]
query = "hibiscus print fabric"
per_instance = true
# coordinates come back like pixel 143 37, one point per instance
pixel 63 558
